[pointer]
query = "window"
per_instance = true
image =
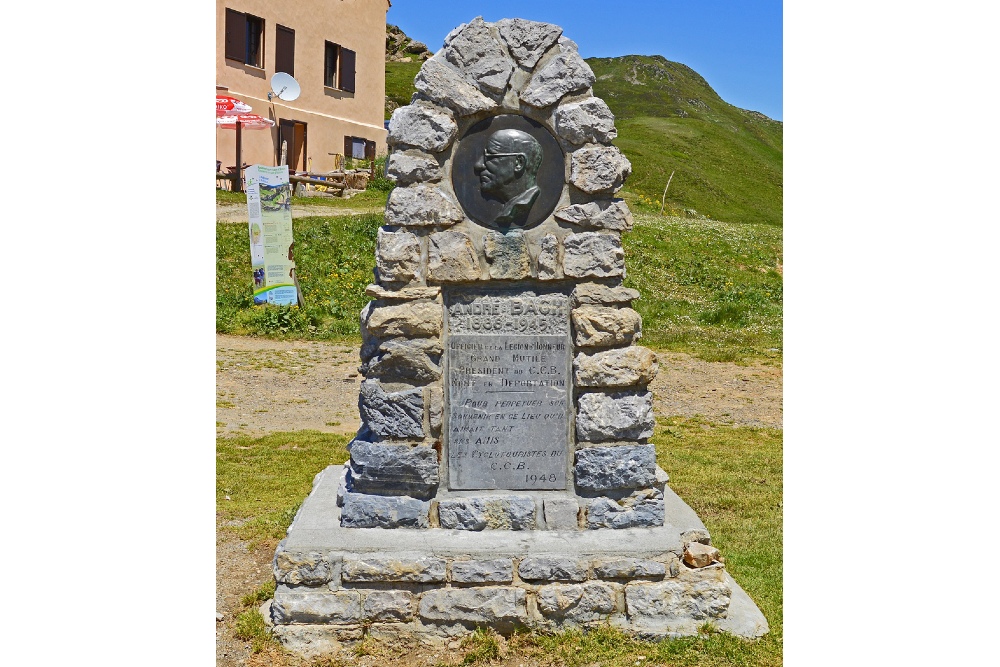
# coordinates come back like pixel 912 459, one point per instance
pixel 284 50
pixel 338 67
pixel 245 38
pixel 359 148
pixel 330 66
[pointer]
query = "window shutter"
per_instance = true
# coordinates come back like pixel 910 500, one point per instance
pixel 284 50
pixel 347 58
pixel 370 150
pixel 236 35
pixel 348 146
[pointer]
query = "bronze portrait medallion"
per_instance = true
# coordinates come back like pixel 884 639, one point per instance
pixel 508 172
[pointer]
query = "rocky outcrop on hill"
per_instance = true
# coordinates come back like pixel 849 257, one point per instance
pixel 401 49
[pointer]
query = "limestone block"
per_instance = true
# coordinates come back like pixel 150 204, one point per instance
pixel 628 568
pixel 490 512
pixel 675 599
pixel 566 73
pixel 393 470
pixel 480 57
pixel 451 258
pixel 618 367
pixel 561 513
pixel 507 255
pixel 397 256
pixel 310 568
pixel 616 416
pixel 436 410
pixel 588 121
pixel 422 125
pixel 697 554
pixel 403 294
pixel 553 568
pixel 405 360
pixel 412 166
pixel 298 605
pixel 421 205
pixel 611 468
pixel 550 258
pixel 592 601
pixel 527 41
pixel 397 414
pixel 441 81
pixel 606 513
pixel 369 342
pixel 595 294
pixel 598 326
pixel 312 641
pixel 477 605
pixel 421 318
pixel 593 254
pixel 604 214
pixel 389 606
pixel 495 571
pixel 566 45
pixel 409 567
pixel 366 511
pixel 599 169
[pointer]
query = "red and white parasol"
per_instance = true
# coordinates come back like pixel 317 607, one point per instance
pixel 249 121
pixel 230 106
pixel 244 121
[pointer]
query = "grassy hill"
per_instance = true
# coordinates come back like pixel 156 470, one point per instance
pixel 727 161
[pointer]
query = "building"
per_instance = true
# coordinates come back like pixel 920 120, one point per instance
pixel 335 50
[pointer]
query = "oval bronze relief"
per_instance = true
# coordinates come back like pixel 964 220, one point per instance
pixel 508 172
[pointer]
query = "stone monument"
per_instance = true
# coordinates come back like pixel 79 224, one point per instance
pixel 502 475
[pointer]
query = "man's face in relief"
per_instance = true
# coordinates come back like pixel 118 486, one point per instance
pixel 499 166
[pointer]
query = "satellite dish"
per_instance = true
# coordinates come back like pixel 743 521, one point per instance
pixel 284 87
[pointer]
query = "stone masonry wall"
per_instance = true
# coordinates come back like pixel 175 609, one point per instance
pixel 429 244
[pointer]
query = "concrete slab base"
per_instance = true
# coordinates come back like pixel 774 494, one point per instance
pixel 336 584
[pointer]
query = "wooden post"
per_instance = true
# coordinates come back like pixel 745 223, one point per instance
pixel 663 201
pixel 238 182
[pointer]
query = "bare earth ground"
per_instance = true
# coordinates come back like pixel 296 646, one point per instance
pixel 264 386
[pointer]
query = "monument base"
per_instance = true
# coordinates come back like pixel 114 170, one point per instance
pixel 335 584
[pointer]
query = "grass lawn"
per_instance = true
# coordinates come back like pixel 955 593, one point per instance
pixel 711 289
pixel 732 477
pixel 334 258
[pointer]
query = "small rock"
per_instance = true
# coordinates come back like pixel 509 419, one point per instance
pixel 697 554
pixel 451 258
pixel 422 125
pixel 599 169
pixel 439 80
pixel 219 616
pixel 566 73
pixel 507 255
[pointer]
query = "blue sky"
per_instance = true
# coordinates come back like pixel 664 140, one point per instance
pixel 736 46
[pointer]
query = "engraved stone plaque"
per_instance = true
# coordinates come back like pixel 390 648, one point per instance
pixel 509 390
pixel 508 172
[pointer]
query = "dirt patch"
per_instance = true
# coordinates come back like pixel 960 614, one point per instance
pixel 263 386
pixel 238 571
pixel 719 392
